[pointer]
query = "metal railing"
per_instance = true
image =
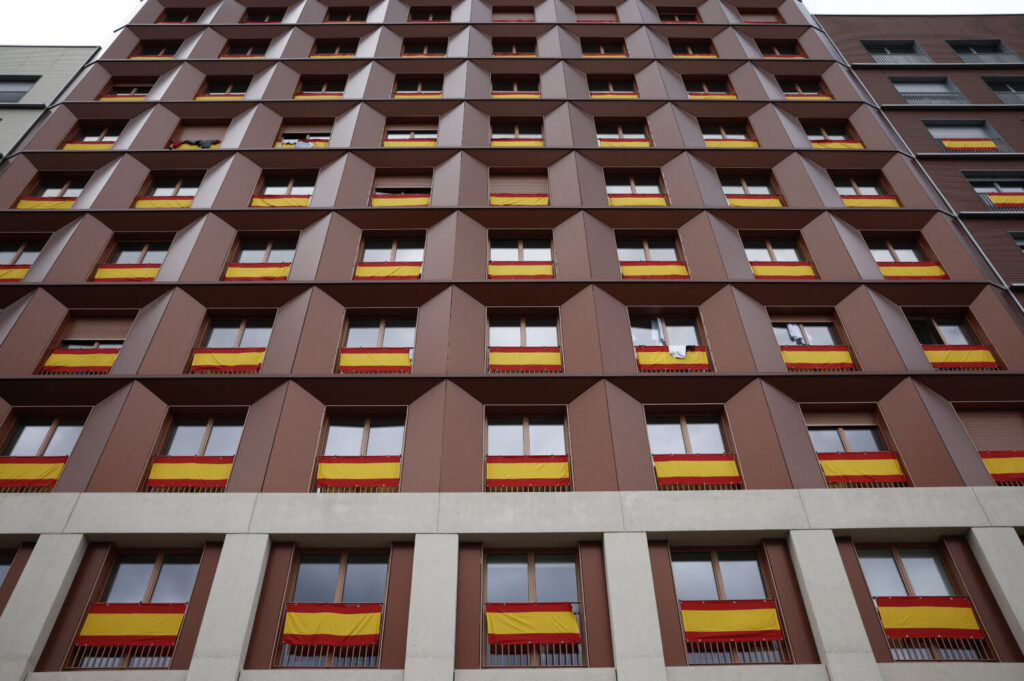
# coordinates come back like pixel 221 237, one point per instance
pixel 998 207
pixel 1010 483
pixel 990 58
pixel 1011 97
pixel 532 488
pixel 936 98
pixel 536 654
pixel 120 657
pixel 12 96
pixel 25 490
pixel 915 58
pixel 737 652
pixel 326 489
pixel 327 656
pixel 853 485
pixel 941 649
pixel 698 487
pixel 1000 144
pixel 184 488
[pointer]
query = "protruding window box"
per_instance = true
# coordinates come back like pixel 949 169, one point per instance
pixel 637 200
pixel 396 270
pixel 400 200
pixel 697 471
pixel 280 201
pixel 1006 467
pixel 838 144
pixel 1008 200
pixel 227 360
pixel 521 141
pixel 375 361
pixel 863 201
pixel 132 625
pixel 754 200
pixel 771 269
pixel 423 94
pixel 515 94
pixel 30 472
pixel 613 143
pixel 332 625
pixel 817 357
pixel 520 269
pixel 358 472
pixel 712 95
pixel 511 473
pixel 519 199
pixel 309 143
pixel 529 359
pixel 222 97
pixel 912 270
pixel 13 272
pixel 960 356
pixel 862 469
pixel 654 269
pixel 731 144
pixel 79 145
pixel 928 618
pixel 809 97
pixel 662 358
pixel 163 202
pixel 79 361
pixel 257 271
pixel 178 145
pixel 718 622
pixel 969 144
pixel 47 202
pixel 206 473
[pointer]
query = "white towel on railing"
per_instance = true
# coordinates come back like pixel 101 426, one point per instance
pixel 795 334
pixel 677 351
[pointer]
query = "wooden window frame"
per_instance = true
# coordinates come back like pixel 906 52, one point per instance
pixel 878 185
pixel 133 89
pixel 266 251
pixel 771 247
pixel 526 432
pixel 367 428
pixel 774 48
pixel 264 15
pixel 686 46
pixel 292 180
pixel 22 247
pixel 821 130
pixel 179 184
pixel 431 10
pixel 393 255
pixel 251 47
pixel 579 13
pixel 68 185
pixel 522 328
pixel 809 319
pixel 841 431
pixel 106 133
pixel 798 85
pixel 306 86
pixel 663 325
pixel 211 423
pixel 746 181
pixel 888 244
pixel 705 88
pixel 188 13
pixel 632 177
pixel 348 12
pixel 420 87
pixel 230 87
pixel 11 440
pixel 516 44
pixel 517 86
pixel 620 129
pixel 428 45
pixel 517 133
pixel 609 82
pixel 381 327
pixel 676 12
pixel 339 587
pixel 723 134
pixel 963 322
pixel 166 48
pixel 646 242
pixel 513 9
pixel 603 45
pixel 520 246
pixel 243 322
pixel 340 47
pixel 687 444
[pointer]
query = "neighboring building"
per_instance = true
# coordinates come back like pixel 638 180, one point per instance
pixel 31 76
pixel 436 338
pixel 954 88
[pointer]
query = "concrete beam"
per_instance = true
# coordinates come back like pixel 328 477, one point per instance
pixel 430 642
pixel 1000 554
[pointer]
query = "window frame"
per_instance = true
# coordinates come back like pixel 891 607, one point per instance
pixel 364 444
pixel 55 421
pixel 746 181
pixel 243 322
pixel 353 12
pixel 662 319
pixel 211 423
pixel 264 15
pixel 443 12
pixel 180 183
pixel 825 135
pixel 801 321
pixel 32 248
pixel 381 329
pixel 253 49
pixel 427 45
pixel 292 181
pixel 889 244
pixel 962 321
pixel 271 242
pixel 633 183
pixel 523 318
pixel 646 245
pixel 682 417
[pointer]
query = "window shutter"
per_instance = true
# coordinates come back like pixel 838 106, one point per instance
pixel 509 183
pixel 995 430
pixel 97 328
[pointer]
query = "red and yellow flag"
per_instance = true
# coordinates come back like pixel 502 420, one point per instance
pixel 332 624
pixel 970 143
pixel 190 471
pixel 960 356
pixel 79 145
pixel 752 620
pixel 227 97
pixel 227 360
pixel 296 201
pixel 1004 465
pixel 912 270
pixel 697 469
pixel 837 144
pixel 528 471
pixel 525 359
pixel 163 202
pixel 658 358
pixel 712 95
pixel 637 200
pixel 613 95
pixel 754 200
pixel 654 269
pixel 623 143
pixel 388 270
pixel 769 269
pixel 358 471
pixel 374 360
pixel 400 200
pixel 732 144
pixel 928 617
pixel 520 269
pixel 861 467
pixel 809 98
pixel 126 272
pixel 817 357
pixel 531 623
pixel 870 201
pixel 80 361
pixel 13 272
pixel 35 471
pixel 132 624
pixel 1007 199
pixel 519 199
pixel 515 94
pixel 257 271
pixel 518 142
pixel 44 202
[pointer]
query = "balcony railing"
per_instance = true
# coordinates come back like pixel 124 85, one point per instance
pixel 127 636
pixel 537 654
pixel 915 58
pixel 1011 97
pixel 1003 202
pixel 990 58
pixel 327 656
pixel 942 628
pixel 330 635
pixel 733 632
pixel 937 98
pixel 963 145
pixel 120 657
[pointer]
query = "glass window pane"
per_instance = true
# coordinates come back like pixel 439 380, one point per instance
pixel 174 583
pixel 906 251
pixel 881 254
pixel 618 184
pixel 386 437
pixel 741 574
pixel 705 436
pixel 955 332
pixel 924 330
pixel 344 437
pixel 129 579
pixel 377 250
pixel 222 334
pixel 694 577
pixel 256 334
pixel 826 439
pixel 505 333
pixel 507 579
pixel 362 333
pixel 547 437
pixel 29 438
pixel 682 331
pixel 317 579
pixel 127 254
pixel 251 251
pixel 409 250
pixel 786 251
pixel 556 577
pixel 783 337
pixel 541 333
pixel 630 250
pixel 926 574
pixel 647 184
pixel 282 251
pixel 399 333
pixel 881 573
pixel 756 252
pixel 646 331
pixel 365 579
pixel 536 249
pixel 504 249
pixel 28 255
pixel 224 438
pixel 820 334
pixel 662 249
pixel 65 435
pixel 186 437
pixel 5 566
pixel 155 255
pixel 665 435
pixel 504 437
pixel 864 439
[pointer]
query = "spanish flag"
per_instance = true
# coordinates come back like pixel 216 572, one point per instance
pixel 374 361
pixel 358 471
pixel 659 358
pixel 732 144
pixel 613 95
pixel 519 199
pixel 970 144
pixel 809 98
pixel 44 203
pixel 35 471
pixel 531 623
pixel 332 624
pixel 712 95
pixel 388 270
pixel 223 97
pixel 754 200
pixel 870 201
pixel 1005 465
pixel 516 94
pixel 319 95
pixel 528 471
pixel 697 469
pixel 132 624
pixel 525 359
pixel 295 201
pixel 861 467
pixel 1007 199
pixel 654 269
pixel 410 143
pixel 928 617
pixel 727 621
pixel 190 471
pixel 123 98
pixel 126 272
pixel 79 145
pixel 520 269
pixel 257 271
pixel 13 272
pixel 518 142
pixel 637 200
pixel 912 270
pixel 163 202
pixel 227 360
pixel 80 361
pixel 960 356
pixel 837 144
pixel 623 143
pixel 400 200
pixel 817 356
pixel 417 95
pixel 770 269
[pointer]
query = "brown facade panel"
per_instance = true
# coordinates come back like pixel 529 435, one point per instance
pixel 468 638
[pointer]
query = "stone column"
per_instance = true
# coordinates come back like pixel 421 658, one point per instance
pixel 430 645
pixel 1000 554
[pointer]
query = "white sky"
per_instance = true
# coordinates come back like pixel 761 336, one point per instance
pixel 91 22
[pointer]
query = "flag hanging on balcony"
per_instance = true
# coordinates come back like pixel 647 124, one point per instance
pixel 13 272
pixel 520 269
pixel 132 624
pixel 998 199
pixel 528 471
pixel 23 471
pixel 332 624
pixel 960 356
pixel 754 200
pixel 275 201
pixel 531 623
pixel 525 359
pixel 44 202
pixel 861 467
pixel 654 269
pixel 227 360
pixel 80 361
pixel 668 358
pixel 190 471
pixel 753 620
pixel 112 272
pixel 388 270
pixel 257 271
pixel 1004 466
pixel 770 269
pixel 912 270
pixel 358 471
pixel 928 617
pixel 969 143
pixel 817 356
pixel 374 360
pixel 697 469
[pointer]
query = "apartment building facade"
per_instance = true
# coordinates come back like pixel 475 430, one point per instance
pixel 514 341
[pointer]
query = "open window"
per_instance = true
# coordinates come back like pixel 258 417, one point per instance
pixel 668 343
pixel 811 344
pixel 401 189
pixel 198 135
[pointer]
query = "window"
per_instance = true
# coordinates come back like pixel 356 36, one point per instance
pixel 896 52
pixel 622 133
pixel 520 250
pixel 105 335
pixel 300 136
pixel 603 48
pixel 811 344
pixel 515 86
pixel 965 136
pixel 803 89
pixel 221 89
pixel 526 436
pixel 23 253
pixel 369 436
pixel 133 261
pixel 512 14
pixel 983 51
pixel 805 333
pixel 780 50
pixel 678 15
pixel 639 184
pixel 514 47
pixel 131 91
pixel 516 133
pixel 263 16
pixel 6 560
pixel 692 48
pixel 214 436
pixel 999 192
pixel 60 188
pixel 333 583
pixel 335 48
pixel 727 134
pixel 156 50
pixel 169 187
pixel 915 574
pixel 13 89
pixel 865 191
pixel 542 579
pixel 233 346
pixel 928 91
pixel 760 16
pixel 1010 90
pixel 950 343
pixel 519 187
pixel 831 136
pixel 708 88
pixel 145 581
pixel 853 454
pixel 596 15
pixel 611 86
pixel 750 190
pixel 346 15
pixel 998 435
pixel 45 443
pixel 725 575
pixel 401 190
pixel 411 133
pixel 316 88
pixel 381 333
pixel 361 454
pixel 673 332
pixel 418 86
pixel 288 185
pixel 181 16
pixel 240 49
pixel 393 250
pixel 942 330
pixel 774 250
pixel 676 442
pixel 417 14
pixel 196 444
pixel 266 251
pixel 523 332
pixel 238 333
pixel 94 137
pixel 895 250
pixel 424 48
pixel 646 250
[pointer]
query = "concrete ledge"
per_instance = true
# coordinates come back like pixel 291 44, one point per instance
pixel 334 514
pixel 713 511
pixel 561 674
pixel 35 513
pixel 111 675
pixel 161 513
pixel 744 672
pixel 1004 506
pixel 321 675
pixel 952 671
pixel 490 513
pixel 935 507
